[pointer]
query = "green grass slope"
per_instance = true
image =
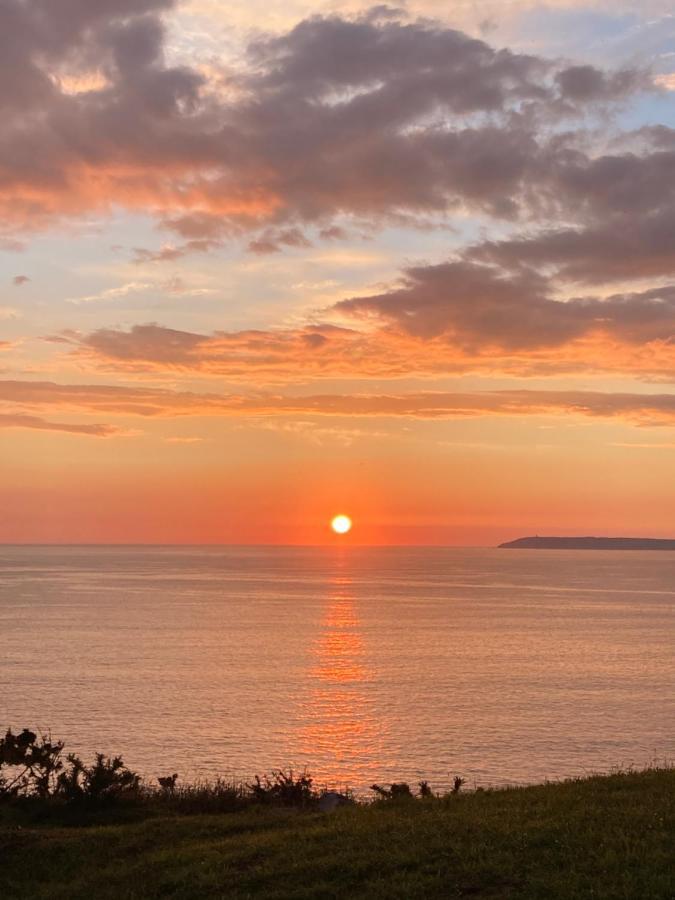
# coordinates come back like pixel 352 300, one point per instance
pixel 603 837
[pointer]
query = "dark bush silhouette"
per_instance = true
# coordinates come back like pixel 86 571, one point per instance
pixel 457 784
pixel 34 774
pixel 425 790
pixel 400 791
pixel 31 764
pixel 107 779
pixel 283 788
pixel 168 783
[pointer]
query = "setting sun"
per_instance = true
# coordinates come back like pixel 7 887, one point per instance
pixel 341 524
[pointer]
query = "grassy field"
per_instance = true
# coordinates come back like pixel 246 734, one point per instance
pixel 603 837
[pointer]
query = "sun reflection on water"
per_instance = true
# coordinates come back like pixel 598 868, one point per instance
pixel 341 730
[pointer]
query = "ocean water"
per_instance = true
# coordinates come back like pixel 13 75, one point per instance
pixel 358 664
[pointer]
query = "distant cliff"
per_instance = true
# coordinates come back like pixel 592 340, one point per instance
pixel 588 543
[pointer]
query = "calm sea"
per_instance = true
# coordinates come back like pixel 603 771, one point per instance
pixel 360 664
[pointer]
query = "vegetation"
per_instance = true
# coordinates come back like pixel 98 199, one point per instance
pixel 604 836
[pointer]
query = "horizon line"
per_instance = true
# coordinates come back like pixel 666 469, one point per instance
pixel 334 545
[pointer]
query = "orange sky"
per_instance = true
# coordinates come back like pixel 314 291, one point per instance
pixel 243 487
pixel 258 268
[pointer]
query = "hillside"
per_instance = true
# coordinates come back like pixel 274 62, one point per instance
pixel 609 837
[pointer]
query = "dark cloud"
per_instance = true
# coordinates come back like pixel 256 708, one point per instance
pixel 476 306
pixel 586 84
pixel 403 64
pixel 196 226
pixel 374 117
pixel 333 233
pixel 471 305
pixel 18 280
pixel 147 342
pixel 38 37
pixel 370 120
pixel 626 247
pixel 272 241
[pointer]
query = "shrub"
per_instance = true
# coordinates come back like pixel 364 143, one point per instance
pixel 32 767
pixel 31 764
pixel 397 791
pixel 457 784
pixel 168 783
pixel 107 779
pixel 425 790
pixel 283 788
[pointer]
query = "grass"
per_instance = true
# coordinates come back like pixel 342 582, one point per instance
pixel 604 837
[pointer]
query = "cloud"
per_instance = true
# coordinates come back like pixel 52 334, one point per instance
pixel 445 319
pixel 174 285
pixel 36 423
pixel 666 81
pixel 170 252
pixel 373 117
pixel 626 247
pixel 322 436
pixel 369 120
pixel 479 307
pixel 18 280
pixel 586 84
pixel 124 290
pixel 272 241
pixel 632 445
pixel 639 409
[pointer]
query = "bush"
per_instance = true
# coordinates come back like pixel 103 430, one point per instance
pixel 34 772
pixel 107 779
pixel 400 791
pixel 29 766
pixel 284 789
pixel 32 767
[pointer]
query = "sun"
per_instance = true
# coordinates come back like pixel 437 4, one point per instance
pixel 341 524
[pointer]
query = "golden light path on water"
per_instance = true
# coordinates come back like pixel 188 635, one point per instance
pixel 342 725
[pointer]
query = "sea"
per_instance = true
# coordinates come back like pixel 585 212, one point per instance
pixel 358 665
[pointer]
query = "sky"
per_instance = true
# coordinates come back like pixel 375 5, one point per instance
pixel 263 263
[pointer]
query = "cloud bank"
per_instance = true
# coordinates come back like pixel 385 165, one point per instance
pixel 342 122
pixel 374 117
pixel 640 409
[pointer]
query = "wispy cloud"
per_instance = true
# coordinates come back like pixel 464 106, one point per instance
pixel 174 285
pixel 124 290
pixel 640 409
pixel 39 424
